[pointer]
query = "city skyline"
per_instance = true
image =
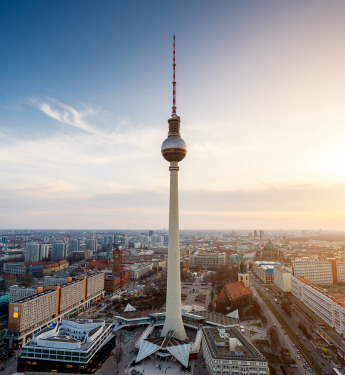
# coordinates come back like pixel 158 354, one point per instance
pixel 84 106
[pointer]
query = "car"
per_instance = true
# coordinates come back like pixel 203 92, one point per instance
pixel 310 370
pixel 298 357
pixel 298 352
pixel 281 327
pixel 294 345
pixel 309 350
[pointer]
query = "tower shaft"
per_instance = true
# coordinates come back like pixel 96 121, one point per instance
pixel 173 318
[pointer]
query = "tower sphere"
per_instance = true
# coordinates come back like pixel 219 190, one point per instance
pixel 174 149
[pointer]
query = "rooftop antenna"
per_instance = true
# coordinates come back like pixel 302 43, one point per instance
pixel 174 82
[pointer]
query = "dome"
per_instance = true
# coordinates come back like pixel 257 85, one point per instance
pixel 269 246
pixel 174 149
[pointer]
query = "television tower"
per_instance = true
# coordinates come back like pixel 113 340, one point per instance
pixel 174 149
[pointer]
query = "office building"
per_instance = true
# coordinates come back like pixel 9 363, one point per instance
pixel 59 251
pixel 227 351
pixel 73 245
pixel 91 244
pixel 4 302
pixel 264 270
pixel 209 260
pixel 109 239
pixel 319 272
pixel 44 251
pixel 54 281
pixel 32 252
pixel 17 269
pixel 19 292
pixel 282 279
pixel 71 346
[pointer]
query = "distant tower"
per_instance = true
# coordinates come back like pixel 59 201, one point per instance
pixel 117 263
pixel 174 149
pixel 243 273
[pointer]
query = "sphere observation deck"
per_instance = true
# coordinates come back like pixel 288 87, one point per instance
pixel 174 148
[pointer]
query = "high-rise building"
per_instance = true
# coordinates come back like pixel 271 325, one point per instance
pixel 73 245
pixel 44 251
pixel 58 250
pixel 255 233
pixel 262 234
pixel 32 252
pixel 91 244
pixel 109 239
pixel 150 233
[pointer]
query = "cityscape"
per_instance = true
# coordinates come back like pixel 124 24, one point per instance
pixel 151 224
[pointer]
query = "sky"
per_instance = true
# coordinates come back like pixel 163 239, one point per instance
pixel 86 92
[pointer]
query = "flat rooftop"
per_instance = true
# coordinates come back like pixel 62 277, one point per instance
pixel 233 345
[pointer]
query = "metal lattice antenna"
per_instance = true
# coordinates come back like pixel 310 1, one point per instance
pixel 174 82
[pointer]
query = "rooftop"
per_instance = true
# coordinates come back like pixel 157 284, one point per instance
pixel 230 343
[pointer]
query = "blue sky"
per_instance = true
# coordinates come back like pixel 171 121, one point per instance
pixel 86 93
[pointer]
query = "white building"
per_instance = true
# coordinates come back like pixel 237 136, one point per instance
pixel 264 270
pixel 282 278
pixel 54 281
pixel 328 307
pixel 319 272
pixel 227 351
pixel 71 344
pixel 32 252
pixel 16 269
pixel 140 269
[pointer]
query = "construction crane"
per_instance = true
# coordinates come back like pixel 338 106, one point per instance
pixel 186 269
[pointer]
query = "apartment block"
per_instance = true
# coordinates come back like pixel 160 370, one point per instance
pixel 282 278
pixel 94 283
pixel 32 311
pixel 327 305
pixel 71 294
pixel 20 292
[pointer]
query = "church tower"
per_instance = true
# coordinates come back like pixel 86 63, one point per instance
pixel 243 273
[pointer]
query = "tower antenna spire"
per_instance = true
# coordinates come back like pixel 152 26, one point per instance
pixel 174 81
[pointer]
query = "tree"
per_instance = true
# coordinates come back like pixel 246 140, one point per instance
pixel 286 306
pixel 274 339
pixel 27 279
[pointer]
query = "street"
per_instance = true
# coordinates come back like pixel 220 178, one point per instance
pixel 286 340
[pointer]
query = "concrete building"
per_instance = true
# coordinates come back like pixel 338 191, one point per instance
pixel 17 269
pixel 328 305
pixel 227 351
pixel 282 278
pixel 319 272
pixel 32 252
pixel 71 346
pixel 73 245
pixel 209 260
pixel 71 294
pixel 32 313
pixel 54 281
pixel 264 270
pixel 19 292
pixel 139 270
pixel 91 244
pixel 44 251
pixel 59 250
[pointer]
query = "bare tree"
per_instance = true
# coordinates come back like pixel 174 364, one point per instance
pixel 274 339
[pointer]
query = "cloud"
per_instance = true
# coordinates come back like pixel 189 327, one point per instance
pixel 67 114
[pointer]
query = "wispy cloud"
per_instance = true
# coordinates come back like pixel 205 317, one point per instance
pixel 67 114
